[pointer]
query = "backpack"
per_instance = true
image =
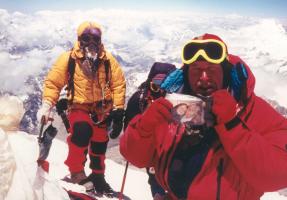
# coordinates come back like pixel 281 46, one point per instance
pixel 71 71
pixel 143 95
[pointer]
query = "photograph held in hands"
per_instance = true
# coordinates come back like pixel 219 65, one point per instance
pixel 187 108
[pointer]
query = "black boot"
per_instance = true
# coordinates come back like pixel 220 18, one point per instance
pixel 100 184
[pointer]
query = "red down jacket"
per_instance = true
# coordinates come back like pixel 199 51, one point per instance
pixel 254 152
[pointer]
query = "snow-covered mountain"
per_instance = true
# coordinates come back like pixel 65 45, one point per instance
pixel 30 43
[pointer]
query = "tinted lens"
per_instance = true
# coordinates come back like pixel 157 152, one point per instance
pixel 95 38
pixel 154 87
pixel 213 50
pixel 91 35
pixel 85 38
pixel 157 81
pixel 190 50
pixel 90 38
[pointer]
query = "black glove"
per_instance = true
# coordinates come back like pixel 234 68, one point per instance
pixel 116 118
pixel 61 108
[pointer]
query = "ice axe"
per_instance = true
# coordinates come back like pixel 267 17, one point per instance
pixel 45 141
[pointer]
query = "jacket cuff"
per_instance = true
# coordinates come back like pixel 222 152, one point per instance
pixel 230 135
pixel 232 123
pixel 229 127
pixel 47 103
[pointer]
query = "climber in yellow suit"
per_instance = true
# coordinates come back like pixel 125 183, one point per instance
pixel 96 95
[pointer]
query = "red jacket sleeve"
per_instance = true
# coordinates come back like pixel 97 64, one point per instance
pixel 135 148
pixel 258 147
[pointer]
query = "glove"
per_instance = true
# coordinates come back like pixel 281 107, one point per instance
pixel 43 113
pixel 116 117
pixel 158 112
pixel 224 106
pixel 61 107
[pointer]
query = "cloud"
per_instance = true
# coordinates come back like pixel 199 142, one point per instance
pixel 30 43
pixel 16 68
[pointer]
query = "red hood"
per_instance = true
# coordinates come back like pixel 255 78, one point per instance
pixel 250 84
pixel 207 36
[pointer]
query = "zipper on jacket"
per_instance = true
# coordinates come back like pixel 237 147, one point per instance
pixel 166 162
pixel 219 175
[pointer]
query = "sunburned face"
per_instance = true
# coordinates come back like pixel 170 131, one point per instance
pixel 205 78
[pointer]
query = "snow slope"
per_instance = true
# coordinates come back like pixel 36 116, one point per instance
pixel 30 183
pixel 22 179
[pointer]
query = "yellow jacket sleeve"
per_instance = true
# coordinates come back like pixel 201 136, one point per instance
pixel 56 79
pixel 118 83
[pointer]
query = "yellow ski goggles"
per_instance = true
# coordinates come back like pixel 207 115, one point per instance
pixel 213 51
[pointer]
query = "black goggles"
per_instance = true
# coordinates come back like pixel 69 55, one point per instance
pixel 91 35
pixel 87 38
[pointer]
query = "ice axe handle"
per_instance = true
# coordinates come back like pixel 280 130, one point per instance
pixel 40 137
pixel 42 133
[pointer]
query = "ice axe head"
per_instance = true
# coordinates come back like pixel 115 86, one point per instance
pixel 48 134
pixel 45 142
